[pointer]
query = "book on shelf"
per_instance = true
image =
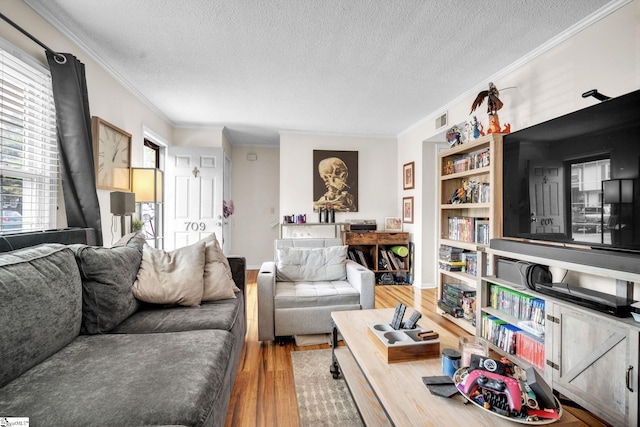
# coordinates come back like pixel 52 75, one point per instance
pixel 383 260
pixel 471 263
pixel 392 260
pixel 530 348
pixel 361 258
pixel 461 228
pixel 469 229
pixel 467 162
pixel 482 235
pixel 451 265
pixel 477 192
pixel 450 253
pixel 521 306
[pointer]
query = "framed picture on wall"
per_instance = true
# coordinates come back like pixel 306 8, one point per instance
pixel 111 155
pixel 407 210
pixel 335 180
pixel 408 172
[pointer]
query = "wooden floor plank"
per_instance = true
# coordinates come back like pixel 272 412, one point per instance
pixel 264 392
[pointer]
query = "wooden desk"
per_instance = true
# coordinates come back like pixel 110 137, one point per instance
pixel 397 388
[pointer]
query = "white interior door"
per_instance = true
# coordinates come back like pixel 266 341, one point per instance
pixel 226 222
pixel 547 198
pixel 194 194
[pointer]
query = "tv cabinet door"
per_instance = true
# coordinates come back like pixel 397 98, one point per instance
pixel 596 363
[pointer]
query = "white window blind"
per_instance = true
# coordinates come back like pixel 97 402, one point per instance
pixel 28 147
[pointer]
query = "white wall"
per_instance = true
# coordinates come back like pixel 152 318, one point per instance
pixel 255 188
pixel 603 56
pixel 378 175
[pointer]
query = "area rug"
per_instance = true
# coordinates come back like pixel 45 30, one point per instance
pixel 322 401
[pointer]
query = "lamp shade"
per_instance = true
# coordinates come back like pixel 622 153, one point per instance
pixel 122 203
pixel 147 185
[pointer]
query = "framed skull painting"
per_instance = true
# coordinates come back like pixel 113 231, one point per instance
pixel 335 180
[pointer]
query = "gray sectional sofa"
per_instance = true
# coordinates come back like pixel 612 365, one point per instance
pixel 77 349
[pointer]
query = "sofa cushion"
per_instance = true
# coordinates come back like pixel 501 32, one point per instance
pixel 107 278
pixel 132 240
pixel 311 264
pixel 174 277
pixel 128 380
pixel 218 281
pixel 314 294
pixel 40 307
pixel 222 314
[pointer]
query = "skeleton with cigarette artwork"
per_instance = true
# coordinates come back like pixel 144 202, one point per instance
pixel 334 173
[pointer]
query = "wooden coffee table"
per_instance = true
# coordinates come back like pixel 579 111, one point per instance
pixel 393 393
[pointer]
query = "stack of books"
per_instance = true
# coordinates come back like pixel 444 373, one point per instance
pixel 458 300
pixel 526 339
pixel 451 259
pixel 468 162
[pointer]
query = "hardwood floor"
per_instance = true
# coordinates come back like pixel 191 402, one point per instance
pixel 264 392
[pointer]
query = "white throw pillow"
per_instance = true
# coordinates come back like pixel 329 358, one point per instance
pixel 174 277
pixel 311 264
pixel 218 280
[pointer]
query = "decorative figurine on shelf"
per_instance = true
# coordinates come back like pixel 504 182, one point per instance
pixel 478 129
pixel 494 124
pixel 493 102
pixel 460 195
pixel 454 136
pixel 493 105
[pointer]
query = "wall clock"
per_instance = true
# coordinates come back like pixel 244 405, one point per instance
pixel 112 155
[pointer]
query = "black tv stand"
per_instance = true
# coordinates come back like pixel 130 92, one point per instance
pixel 606 303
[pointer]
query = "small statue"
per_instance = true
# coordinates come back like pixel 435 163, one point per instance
pixel 493 105
pixel 454 136
pixel 494 124
pixel 493 102
pixel 460 195
pixel 478 129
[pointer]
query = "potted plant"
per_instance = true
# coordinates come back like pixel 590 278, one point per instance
pixel 136 225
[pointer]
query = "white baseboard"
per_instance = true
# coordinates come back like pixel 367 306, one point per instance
pixel 425 285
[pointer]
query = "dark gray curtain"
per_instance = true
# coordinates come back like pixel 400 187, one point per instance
pixel 74 141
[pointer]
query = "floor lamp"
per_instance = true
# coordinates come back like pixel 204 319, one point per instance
pixel 122 205
pixel 147 184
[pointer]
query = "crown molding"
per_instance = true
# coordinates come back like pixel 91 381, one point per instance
pixel 95 57
pixel 335 134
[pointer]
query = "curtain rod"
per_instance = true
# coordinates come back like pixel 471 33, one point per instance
pixel 60 58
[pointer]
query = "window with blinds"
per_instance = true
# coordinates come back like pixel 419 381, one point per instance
pixel 28 147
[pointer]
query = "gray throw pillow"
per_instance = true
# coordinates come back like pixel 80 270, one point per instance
pixel 107 277
pixel 132 240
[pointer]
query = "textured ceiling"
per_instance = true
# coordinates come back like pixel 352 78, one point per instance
pixel 366 67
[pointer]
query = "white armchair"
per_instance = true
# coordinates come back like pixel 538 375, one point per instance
pixel 308 280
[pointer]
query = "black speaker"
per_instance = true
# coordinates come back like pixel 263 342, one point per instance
pixel 522 273
pixel 536 274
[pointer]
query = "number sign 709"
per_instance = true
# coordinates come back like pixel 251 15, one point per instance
pixel 195 226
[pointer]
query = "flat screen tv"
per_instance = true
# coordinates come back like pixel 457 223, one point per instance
pixel 574 180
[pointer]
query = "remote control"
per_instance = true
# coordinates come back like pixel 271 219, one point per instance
pixel 411 323
pixel 398 315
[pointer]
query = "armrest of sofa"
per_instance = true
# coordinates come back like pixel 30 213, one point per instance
pixel 364 281
pixel 266 293
pixel 238 266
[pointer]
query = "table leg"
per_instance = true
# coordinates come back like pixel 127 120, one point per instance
pixel 334 368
